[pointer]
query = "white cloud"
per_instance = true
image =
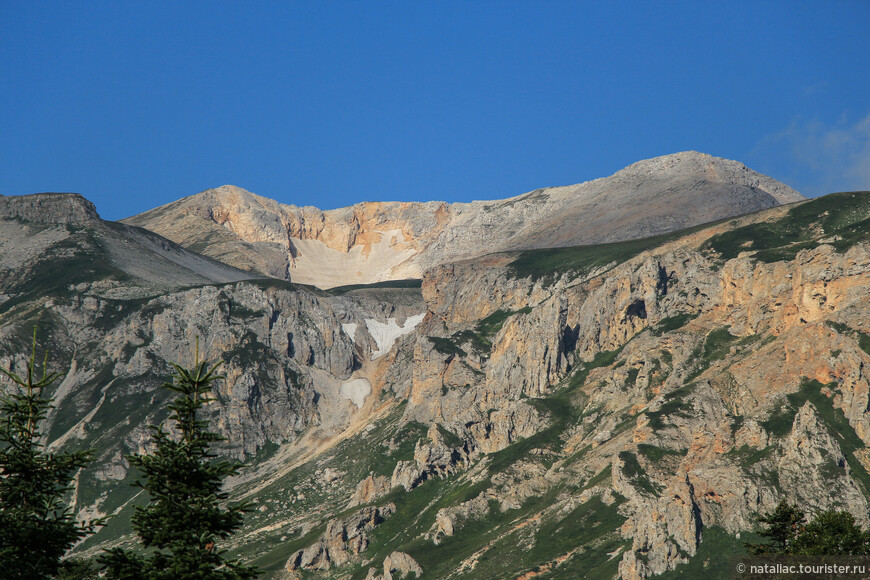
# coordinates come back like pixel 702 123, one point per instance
pixel 817 157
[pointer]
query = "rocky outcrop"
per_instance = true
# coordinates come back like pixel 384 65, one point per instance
pixel 686 392
pixel 369 489
pixel 812 460
pixel 616 417
pixel 432 457
pixel 447 520
pixel 704 357
pixel 453 294
pixel 342 541
pixel 397 565
pixel 49 208
pixel 518 346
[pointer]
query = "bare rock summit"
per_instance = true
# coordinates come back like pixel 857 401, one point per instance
pixel 53 208
pixel 377 241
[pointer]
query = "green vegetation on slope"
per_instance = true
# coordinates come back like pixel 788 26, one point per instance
pixel 76 259
pixel 672 323
pixel 632 469
pixel 480 338
pixel 550 263
pixel 837 424
pixel 713 560
pixel 675 403
pixel 656 454
pixel 840 219
pixel 590 530
pixel 862 338
pixel 564 408
pixel 373 452
pixel 588 533
pixel 402 284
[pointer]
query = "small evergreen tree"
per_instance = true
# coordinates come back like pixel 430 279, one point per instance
pixel 781 527
pixel 184 519
pixel 830 533
pixel 36 528
pixel 78 569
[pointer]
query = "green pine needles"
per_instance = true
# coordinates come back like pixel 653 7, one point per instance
pixel 831 533
pixel 185 518
pixel 36 527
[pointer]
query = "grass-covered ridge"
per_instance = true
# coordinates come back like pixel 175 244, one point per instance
pixel 550 263
pixel 79 258
pixel 839 219
pixel 402 284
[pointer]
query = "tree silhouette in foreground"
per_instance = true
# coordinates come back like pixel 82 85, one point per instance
pixel 781 527
pixel 184 520
pixel 36 527
pixel 830 533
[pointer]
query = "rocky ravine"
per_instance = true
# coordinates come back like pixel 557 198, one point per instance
pixel 373 242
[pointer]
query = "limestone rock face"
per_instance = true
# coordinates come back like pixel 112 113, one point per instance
pixel 397 565
pixel 612 413
pixel 372 242
pixel 342 541
pixel 432 457
pixel 284 355
pixel 401 565
pixel 52 208
pixel 518 343
pixel 453 293
pixel 706 358
pixel 812 460
pixel 369 489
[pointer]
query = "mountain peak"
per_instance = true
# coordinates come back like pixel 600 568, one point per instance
pixel 227 196
pixel 373 242
pixel 695 164
pixel 229 191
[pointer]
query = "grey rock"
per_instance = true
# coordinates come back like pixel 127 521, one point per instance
pixel 372 242
pixel 342 540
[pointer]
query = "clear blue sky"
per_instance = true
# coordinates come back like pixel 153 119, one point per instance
pixel 135 104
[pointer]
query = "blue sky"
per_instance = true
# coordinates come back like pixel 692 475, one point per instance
pixel 135 104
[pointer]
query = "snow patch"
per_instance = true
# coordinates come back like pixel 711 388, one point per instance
pixel 350 329
pixel 356 391
pixel 385 335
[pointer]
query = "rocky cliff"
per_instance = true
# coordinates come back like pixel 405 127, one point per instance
pixel 676 394
pixel 614 410
pixel 114 304
pixel 372 242
pixel 630 417
pixel 51 208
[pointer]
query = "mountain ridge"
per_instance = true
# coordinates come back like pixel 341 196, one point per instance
pixel 374 241
pixel 47 232
pixel 624 409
